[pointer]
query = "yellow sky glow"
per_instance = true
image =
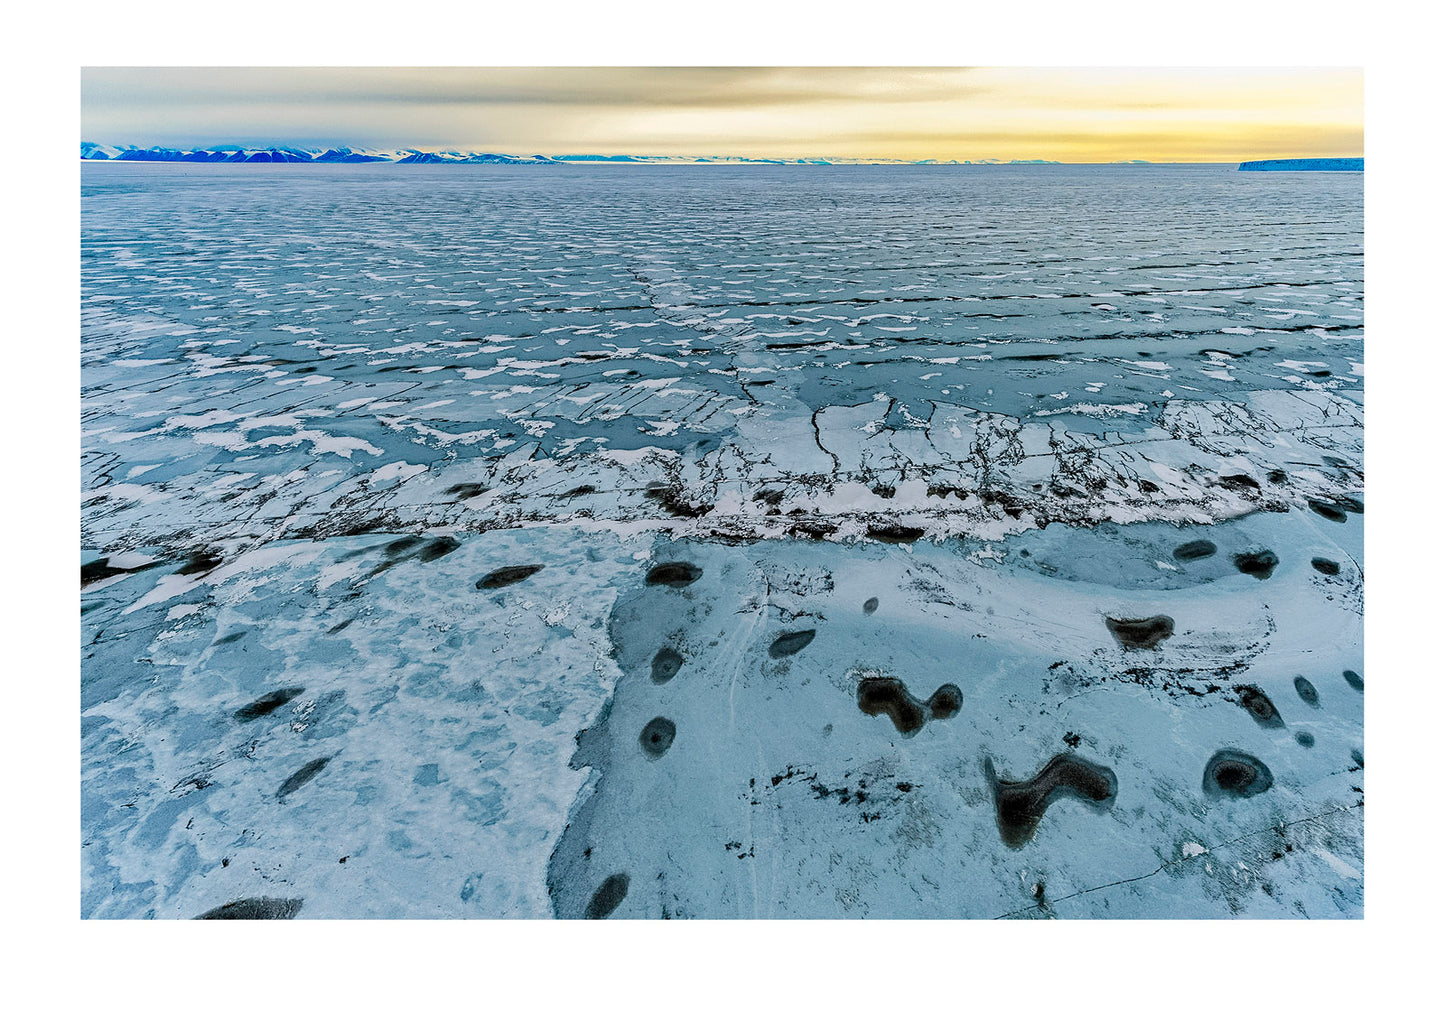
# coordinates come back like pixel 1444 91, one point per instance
pixel 1067 114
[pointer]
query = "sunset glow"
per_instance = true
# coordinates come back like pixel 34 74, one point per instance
pixel 1071 115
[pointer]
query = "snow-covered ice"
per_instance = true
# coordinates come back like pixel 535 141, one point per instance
pixel 951 421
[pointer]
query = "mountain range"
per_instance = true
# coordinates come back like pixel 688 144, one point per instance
pixel 345 154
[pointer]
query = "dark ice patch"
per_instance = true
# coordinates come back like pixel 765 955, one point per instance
pixel 946 702
pixel 302 776
pixel 878 696
pixel 1235 774
pixel 608 896
pixel 1306 691
pixel 99 570
pixel 1327 510
pixel 437 548
pixel 403 546
pixel 1257 564
pixel 268 703
pixel 665 665
pixel 790 642
pixel 269 908
pixel 1354 680
pixel 870 605
pixel 1258 705
pixel 1198 549
pixel 656 738
pixel 1020 804
pixel 504 576
pixel 1305 739
pixel 200 562
pixel 414 547
pixel 676 574
pixel 1140 632
pixel 1326 567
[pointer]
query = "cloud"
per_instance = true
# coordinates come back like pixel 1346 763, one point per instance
pixel 120 88
pixel 943 113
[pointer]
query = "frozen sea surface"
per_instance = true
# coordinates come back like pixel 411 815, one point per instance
pixel 325 409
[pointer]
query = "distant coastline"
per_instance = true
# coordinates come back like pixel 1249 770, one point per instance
pixel 1354 163
pixel 92 151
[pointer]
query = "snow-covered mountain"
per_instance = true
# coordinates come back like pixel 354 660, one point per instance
pixel 345 154
pixel 231 154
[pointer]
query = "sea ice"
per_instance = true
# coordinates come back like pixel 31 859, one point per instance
pixel 449 536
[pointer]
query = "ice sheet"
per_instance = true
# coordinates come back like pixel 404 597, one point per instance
pixel 321 405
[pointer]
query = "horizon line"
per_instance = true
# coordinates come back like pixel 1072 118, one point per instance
pixel 92 153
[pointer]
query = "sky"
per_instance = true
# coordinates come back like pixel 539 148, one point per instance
pixel 1068 114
